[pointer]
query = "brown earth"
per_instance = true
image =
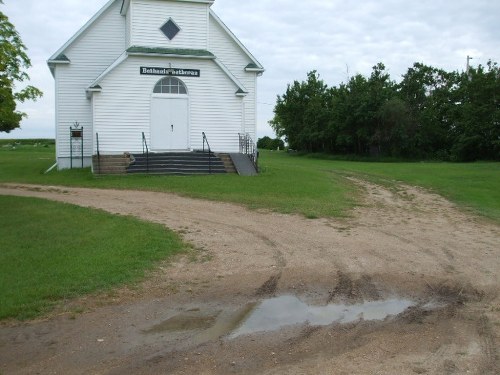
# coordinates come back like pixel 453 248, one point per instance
pixel 407 243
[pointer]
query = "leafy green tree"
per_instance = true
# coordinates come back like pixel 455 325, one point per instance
pixel 264 142
pixel 396 129
pixel 277 143
pixel 267 143
pixel 355 121
pixel 476 115
pixel 429 93
pixel 13 62
pixel 301 114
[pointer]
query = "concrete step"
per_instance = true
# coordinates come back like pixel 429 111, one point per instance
pixel 176 163
pixel 110 164
pixel 228 163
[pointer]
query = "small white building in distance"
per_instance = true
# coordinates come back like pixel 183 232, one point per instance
pixel 152 74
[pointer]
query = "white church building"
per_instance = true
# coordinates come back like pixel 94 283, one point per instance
pixel 152 73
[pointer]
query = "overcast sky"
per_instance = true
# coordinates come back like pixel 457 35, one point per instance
pixel 338 38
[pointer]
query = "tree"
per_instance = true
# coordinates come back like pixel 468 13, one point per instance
pixel 301 114
pixel 355 121
pixel 13 62
pixel 396 129
pixel 429 93
pixel 476 115
pixel 267 143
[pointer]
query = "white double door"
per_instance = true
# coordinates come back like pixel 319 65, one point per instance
pixel 169 123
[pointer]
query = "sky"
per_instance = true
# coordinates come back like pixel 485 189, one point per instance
pixel 338 38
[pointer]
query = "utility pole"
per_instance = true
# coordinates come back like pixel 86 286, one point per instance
pixel 468 64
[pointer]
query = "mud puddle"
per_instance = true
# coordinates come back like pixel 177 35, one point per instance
pixel 276 313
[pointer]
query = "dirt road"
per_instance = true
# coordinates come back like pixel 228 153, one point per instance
pixel 400 245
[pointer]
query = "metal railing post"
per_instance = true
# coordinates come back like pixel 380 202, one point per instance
pixel 70 148
pixel 209 152
pixel 248 147
pixel 81 145
pixel 145 146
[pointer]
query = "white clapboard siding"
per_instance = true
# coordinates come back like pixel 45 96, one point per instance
pixel 250 125
pixel 128 27
pixel 149 16
pixel 122 108
pixel 227 50
pixel 90 54
pixel 235 59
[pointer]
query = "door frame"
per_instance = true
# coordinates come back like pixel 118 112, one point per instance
pixel 188 118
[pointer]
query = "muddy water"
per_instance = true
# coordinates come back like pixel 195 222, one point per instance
pixel 275 313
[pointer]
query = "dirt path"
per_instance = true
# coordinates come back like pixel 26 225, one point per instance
pixel 406 244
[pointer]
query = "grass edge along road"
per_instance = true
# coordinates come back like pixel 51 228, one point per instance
pixel 53 251
pixel 281 187
pixel 305 185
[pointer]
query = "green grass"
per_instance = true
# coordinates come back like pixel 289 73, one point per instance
pixel 54 251
pixel 288 183
pixel 283 186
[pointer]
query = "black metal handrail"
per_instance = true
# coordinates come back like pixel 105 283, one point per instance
pixel 205 140
pixel 98 153
pixel 248 147
pixel 145 148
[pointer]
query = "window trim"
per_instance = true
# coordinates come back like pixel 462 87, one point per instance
pixel 179 82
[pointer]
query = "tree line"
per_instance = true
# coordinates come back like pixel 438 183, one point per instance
pixel 429 114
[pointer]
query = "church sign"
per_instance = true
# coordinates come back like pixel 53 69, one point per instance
pixel 176 72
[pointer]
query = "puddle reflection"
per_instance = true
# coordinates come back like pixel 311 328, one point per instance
pixel 275 313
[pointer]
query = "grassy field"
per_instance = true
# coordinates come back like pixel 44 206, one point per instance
pixel 288 183
pixel 53 251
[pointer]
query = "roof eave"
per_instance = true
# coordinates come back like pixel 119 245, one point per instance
pixel 255 70
pixel 54 62
pixel 177 56
pixel 109 69
pixel 95 88
pixel 52 65
pixel 242 91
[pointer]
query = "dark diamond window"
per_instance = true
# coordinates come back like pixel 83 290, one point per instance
pixel 170 29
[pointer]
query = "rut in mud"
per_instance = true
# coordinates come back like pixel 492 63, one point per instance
pixel 409 245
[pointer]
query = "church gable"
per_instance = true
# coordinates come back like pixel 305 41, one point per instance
pixel 168 24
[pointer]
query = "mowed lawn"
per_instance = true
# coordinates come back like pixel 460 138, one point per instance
pixel 52 251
